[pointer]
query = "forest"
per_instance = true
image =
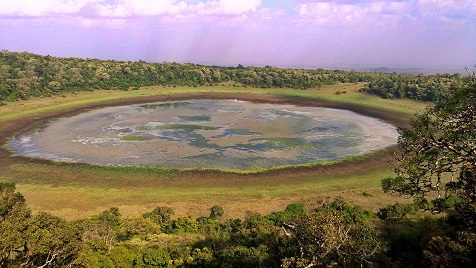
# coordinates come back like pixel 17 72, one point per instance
pixel 335 233
pixel 24 75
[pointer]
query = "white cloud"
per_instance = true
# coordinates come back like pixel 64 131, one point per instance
pixel 447 10
pixel 324 11
pixel 231 7
pixel 40 8
pixel 334 11
pixel 445 4
pixel 394 8
pixel 105 23
pixel 319 11
pixel 127 8
pixel 267 13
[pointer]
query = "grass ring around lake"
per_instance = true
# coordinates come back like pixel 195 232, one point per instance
pixel 18 126
pixel 73 190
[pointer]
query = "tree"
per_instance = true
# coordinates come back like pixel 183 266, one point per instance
pixel 447 252
pixel 241 256
pixel 160 215
pixel 51 242
pixel 216 212
pixel 324 238
pixel 437 158
pixel 14 216
pixel 101 230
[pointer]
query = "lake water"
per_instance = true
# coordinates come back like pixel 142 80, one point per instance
pixel 223 134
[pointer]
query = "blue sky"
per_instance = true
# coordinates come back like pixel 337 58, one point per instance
pixel 305 33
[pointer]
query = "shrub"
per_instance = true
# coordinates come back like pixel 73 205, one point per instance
pixel 395 212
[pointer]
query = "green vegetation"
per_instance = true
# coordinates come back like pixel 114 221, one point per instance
pixel 132 138
pixel 287 143
pixel 435 167
pixel 437 158
pixel 23 75
pixel 108 240
pixel 328 233
pixel 187 127
pixel 195 118
pixel 75 190
pixel 417 87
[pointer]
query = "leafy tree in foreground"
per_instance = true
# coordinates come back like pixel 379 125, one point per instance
pixel 50 242
pixel 446 252
pixel 437 158
pixel 14 216
pixel 42 240
pixel 324 238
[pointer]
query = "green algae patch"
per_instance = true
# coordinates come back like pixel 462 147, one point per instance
pixel 187 127
pixel 195 118
pixel 133 138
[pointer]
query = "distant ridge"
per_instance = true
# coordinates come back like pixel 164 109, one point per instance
pixel 396 70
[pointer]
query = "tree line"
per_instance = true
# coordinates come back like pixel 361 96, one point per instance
pixel 24 75
pixel 431 88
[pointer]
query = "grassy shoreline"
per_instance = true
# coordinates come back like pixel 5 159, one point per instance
pixel 78 190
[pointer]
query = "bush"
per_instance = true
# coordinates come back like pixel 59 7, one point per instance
pixel 396 212
pixel 449 202
pixel 291 210
pixel 153 258
pixel 216 212
pixel 160 215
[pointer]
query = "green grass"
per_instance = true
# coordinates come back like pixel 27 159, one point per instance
pixel 79 190
pixel 194 197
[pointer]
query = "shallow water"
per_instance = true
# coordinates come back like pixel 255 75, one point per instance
pixel 225 134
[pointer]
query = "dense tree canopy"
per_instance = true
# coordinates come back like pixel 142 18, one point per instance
pixel 334 233
pixel 23 75
pixel 417 87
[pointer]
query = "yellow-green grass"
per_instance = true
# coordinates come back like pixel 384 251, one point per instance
pixel 353 96
pixel 72 197
pixel 76 191
pixel 70 100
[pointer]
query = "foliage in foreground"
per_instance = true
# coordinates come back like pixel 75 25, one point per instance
pixel 437 158
pixel 334 234
pixel 437 168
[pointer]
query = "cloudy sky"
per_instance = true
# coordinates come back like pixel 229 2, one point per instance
pixel 294 33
